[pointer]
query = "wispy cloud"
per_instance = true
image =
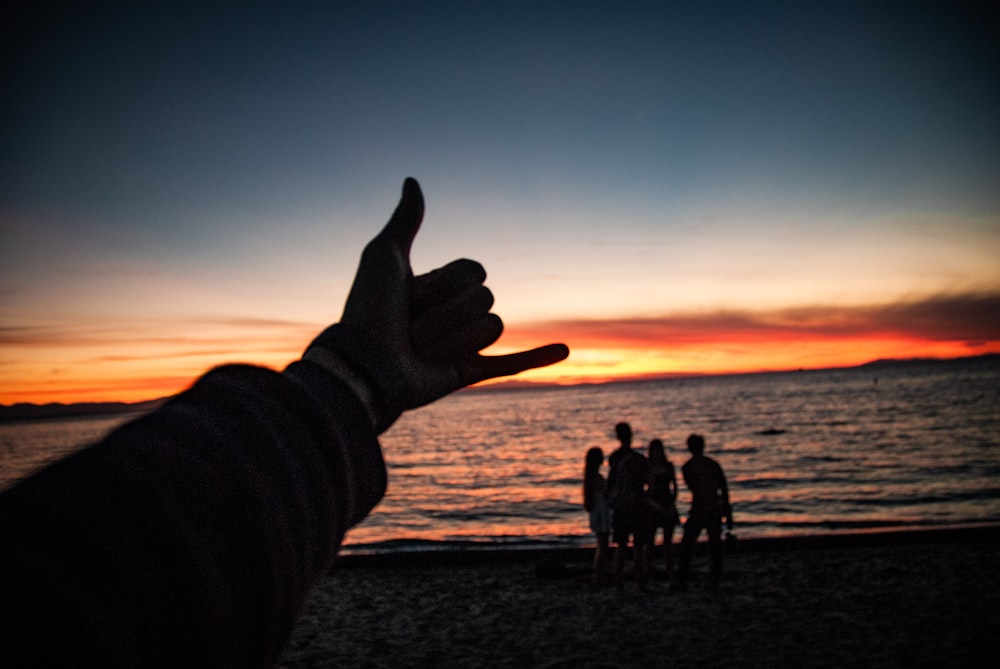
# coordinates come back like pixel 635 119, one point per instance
pixel 968 317
pixel 197 331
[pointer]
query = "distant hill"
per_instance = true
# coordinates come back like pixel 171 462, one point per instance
pixel 902 362
pixel 58 410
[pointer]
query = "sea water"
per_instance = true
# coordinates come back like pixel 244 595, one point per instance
pixel 914 445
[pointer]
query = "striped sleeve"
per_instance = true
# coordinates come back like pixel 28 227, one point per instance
pixel 191 536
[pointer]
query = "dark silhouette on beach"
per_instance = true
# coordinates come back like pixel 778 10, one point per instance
pixel 662 499
pixel 709 507
pixel 626 493
pixel 595 501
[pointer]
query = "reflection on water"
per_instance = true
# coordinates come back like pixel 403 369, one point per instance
pixel 804 451
pixel 26 446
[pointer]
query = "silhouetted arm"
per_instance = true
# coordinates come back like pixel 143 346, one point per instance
pixel 687 474
pixel 191 537
pixel 727 509
pixel 612 478
pixel 673 485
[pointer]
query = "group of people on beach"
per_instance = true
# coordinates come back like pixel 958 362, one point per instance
pixel 639 498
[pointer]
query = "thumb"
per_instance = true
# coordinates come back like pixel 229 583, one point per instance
pixel 405 221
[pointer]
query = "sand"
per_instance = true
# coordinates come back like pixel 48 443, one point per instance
pixel 914 600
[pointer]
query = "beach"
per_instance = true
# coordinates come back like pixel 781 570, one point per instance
pixel 890 599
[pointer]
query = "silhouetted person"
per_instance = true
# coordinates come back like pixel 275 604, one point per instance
pixel 709 506
pixel 631 516
pixel 662 498
pixel 595 501
pixel 191 537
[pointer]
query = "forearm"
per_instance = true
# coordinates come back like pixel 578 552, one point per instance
pixel 192 535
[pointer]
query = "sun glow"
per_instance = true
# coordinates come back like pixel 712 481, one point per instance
pixel 89 368
pixel 154 378
pixel 591 364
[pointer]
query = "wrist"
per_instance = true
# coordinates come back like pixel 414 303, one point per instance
pixel 334 365
pixel 370 369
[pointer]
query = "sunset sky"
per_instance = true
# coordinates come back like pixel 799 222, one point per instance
pixel 665 187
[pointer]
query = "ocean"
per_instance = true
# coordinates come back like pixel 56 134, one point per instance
pixel 913 445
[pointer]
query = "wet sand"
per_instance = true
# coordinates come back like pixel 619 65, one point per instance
pixel 916 599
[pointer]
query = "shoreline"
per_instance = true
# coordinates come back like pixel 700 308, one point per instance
pixel 484 553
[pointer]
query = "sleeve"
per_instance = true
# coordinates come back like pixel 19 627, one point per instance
pixel 191 536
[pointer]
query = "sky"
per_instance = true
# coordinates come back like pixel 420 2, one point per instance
pixel 668 188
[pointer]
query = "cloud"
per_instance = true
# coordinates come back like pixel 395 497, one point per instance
pixel 973 317
pixel 222 332
pixel 969 317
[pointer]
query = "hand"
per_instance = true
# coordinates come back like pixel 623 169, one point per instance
pixel 434 324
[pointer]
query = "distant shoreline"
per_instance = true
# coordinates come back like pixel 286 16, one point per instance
pixel 29 411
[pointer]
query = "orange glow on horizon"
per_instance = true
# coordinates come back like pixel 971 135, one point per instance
pixel 128 390
pixel 127 380
pixel 586 364
pixel 68 376
pixel 592 362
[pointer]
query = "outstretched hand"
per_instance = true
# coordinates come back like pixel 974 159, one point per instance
pixel 435 324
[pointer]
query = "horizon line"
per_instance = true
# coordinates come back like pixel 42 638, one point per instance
pixel 513 384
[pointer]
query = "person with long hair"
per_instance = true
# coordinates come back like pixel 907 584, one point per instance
pixel 662 498
pixel 595 501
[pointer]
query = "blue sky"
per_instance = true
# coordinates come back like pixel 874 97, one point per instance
pixel 199 170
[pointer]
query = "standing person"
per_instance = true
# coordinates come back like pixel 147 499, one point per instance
pixel 630 518
pixel 709 506
pixel 662 499
pixel 595 501
pixel 191 536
